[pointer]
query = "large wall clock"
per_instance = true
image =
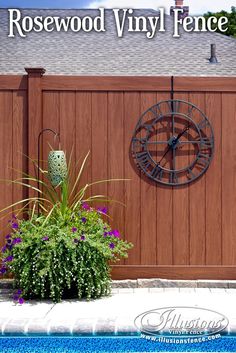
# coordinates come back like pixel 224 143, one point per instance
pixel 173 143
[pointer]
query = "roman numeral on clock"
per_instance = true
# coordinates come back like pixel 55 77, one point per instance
pixel 143 159
pixel 157 172
pixel 206 143
pixel 173 178
pixel 138 141
pixel 203 160
pixel 147 127
pixel 203 124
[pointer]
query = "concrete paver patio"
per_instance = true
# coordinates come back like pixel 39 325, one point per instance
pixel 112 314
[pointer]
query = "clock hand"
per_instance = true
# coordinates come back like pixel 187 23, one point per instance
pixel 181 133
pixel 168 149
pixel 173 144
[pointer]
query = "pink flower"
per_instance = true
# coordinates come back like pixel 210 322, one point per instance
pixel 116 233
pixel 102 210
pixel 85 206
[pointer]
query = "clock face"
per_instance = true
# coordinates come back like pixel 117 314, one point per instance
pixel 173 143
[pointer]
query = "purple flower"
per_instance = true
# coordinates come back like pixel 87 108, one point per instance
pixel 16 241
pixel 8 241
pixel 15 297
pixel 74 229
pixel 105 234
pixel 15 225
pixel 76 240
pixel 45 238
pixel 8 236
pixel 102 210
pixel 84 220
pixel 82 237
pixel 111 245
pixel 8 259
pixel 116 233
pixel 3 270
pixel 4 248
pixel 85 206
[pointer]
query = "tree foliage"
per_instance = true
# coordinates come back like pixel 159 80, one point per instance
pixel 231 31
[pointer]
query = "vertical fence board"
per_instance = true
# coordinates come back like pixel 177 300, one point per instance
pixel 19 141
pixel 181 212
pixel 84 135
pixel 148 202
pixel 51 120
pixel 6 150
pixel 67 127
pixel 197 207
pixel 228 178
pixel 164 214
pixel 99 143
pixel 35 121
pixel 214 184
pixel 132 188
pixel 116 159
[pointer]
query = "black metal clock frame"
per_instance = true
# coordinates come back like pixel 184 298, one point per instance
pixel 205 143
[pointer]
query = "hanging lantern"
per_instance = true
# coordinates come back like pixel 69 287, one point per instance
pixel 57 167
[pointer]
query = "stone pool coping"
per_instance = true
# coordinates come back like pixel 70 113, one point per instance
pixel 154 283
pixel 166 283
pixel 117 312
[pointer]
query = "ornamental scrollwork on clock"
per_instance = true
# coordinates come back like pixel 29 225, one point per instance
pixel 173 143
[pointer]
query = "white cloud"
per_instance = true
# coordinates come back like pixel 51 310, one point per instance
pixel 196 6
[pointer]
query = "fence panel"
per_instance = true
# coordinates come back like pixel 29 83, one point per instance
pixel 183 232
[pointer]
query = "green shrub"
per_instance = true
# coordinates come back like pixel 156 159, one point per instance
pixel 63 258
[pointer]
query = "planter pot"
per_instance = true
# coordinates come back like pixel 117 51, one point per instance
pixel 57 167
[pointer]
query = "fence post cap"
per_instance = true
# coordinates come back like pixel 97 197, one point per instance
pixel 39 71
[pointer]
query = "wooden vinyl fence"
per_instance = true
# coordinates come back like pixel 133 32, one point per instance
pixel 186 232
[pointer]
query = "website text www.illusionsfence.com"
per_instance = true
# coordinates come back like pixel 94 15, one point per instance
pixel 175 340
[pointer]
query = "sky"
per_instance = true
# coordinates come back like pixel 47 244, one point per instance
pixel 196 6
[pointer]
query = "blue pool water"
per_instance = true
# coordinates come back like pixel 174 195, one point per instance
pixel 106 344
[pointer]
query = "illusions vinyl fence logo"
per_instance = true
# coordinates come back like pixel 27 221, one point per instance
pixel 181 322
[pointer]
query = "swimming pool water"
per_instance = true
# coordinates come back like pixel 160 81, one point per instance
pixel 61 344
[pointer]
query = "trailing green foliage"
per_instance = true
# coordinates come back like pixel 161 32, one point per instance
pixel 63 258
